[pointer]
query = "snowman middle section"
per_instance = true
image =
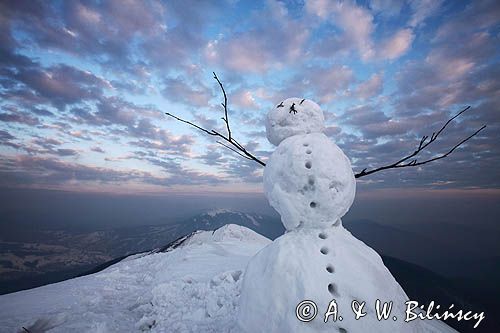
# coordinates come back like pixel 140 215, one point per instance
pixel 309 181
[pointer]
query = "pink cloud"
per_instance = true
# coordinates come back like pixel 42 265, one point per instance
pixel 355 21
pixel 275 41
pixel 397 45
pixel 369 88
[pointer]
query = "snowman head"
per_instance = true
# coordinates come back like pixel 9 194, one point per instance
pixel 293 116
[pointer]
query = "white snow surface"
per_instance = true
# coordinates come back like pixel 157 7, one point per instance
pixel 282 122
pixel 321 265
pixel 193 288
pixel 309 181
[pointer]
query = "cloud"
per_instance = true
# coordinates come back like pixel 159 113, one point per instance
pixel 448 75
pixel 175 146
pixel 244 99
pixel 477 15
pixel 6 140
pixel 327 83
pixel 397 45
pixel 98 150
pixel 363 115
pixel 67 152
pixel 355 21
pixel 59 85
pixel 423 9
pixel 19 117
pixel 386 7
pixel 358 30
pixel 31 170
pixel 275 40
pixel 6 136
pixel 179 175
pixel 34 171
pixel 369 88
pixel 177 90
pixel 102 29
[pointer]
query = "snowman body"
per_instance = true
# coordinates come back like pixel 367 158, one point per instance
pixel 309 181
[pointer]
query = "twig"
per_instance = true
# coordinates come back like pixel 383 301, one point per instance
pixel 226 120
pixel 422 145
pixel 237 152
pixel 238 148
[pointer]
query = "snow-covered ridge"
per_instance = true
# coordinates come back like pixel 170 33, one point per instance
pixel 215 212
pixel 228 232
pixel 191 288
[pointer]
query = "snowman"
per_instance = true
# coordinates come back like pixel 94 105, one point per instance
pixel 309 181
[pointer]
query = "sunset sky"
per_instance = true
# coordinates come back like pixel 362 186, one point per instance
pixel 84 86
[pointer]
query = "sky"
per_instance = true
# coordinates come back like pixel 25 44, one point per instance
pixel 84 86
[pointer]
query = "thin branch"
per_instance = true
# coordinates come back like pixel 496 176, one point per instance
pixel 422 145
pixel 226 119
pixel 238 148
pixel 190 123
pixel 232 149
pixel 451 150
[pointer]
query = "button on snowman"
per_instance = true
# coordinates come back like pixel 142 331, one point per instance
pixel 309 181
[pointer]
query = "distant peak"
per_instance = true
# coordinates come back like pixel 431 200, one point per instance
pixel 217 211
pixel 228 232
pixel 237 232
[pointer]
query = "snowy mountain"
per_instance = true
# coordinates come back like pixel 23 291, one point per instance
pixel 192 286
pixel 214 219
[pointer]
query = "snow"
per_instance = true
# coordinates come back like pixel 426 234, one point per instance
pixel 309 181
pixel 309 264
pixel 192 288
pixel 215 212
pixel 253 220
pixel 282 122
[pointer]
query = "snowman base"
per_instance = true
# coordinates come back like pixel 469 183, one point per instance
pixel 320 265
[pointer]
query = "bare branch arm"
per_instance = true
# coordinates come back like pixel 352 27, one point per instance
pixel 422 145
pixel 238 148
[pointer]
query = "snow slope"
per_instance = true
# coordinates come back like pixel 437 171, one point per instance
pixel 193 287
